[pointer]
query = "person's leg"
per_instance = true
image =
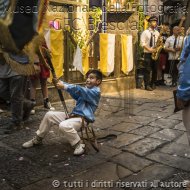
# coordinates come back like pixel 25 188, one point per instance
pixel 4 89
pixel 69 128
pixel 162 81
pixel 4 92
pixel 27 108
pixel 33 86
pixel 154 74
pixel 159 70
pixel 186 121
pixel 16 85
pixel 172 71
pixel 147 71
pixel 175 74
pixel 146 77
pixel 17 97
pixel 51 118
pixel 44 88
pixel 164 65
pixel 169 72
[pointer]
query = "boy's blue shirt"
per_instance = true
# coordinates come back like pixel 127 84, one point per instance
pixel 87 100
pixel 183 91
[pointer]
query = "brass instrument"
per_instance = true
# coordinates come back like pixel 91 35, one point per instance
pixel 159 46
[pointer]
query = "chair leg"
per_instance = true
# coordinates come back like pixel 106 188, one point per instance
pixel 82 135
pixel 92 140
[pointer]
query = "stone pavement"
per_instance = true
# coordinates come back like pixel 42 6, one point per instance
pixel 150 152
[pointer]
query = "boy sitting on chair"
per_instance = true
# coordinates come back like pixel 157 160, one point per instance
pixel 87 99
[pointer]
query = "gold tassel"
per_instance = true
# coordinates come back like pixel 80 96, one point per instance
pixel 22 69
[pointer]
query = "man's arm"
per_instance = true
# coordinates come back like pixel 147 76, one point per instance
pixel 151 50
pixel 167 46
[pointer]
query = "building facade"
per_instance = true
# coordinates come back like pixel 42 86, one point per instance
pixel 174 10
pixel 122 18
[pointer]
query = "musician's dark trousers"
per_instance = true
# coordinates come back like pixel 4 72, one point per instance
pixel 150 70
pixel 173 71
pixel 12 89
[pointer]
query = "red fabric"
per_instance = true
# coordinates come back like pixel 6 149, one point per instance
pixel 44 73
pixel 163 61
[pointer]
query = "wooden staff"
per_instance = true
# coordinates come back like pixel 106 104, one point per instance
pixel 47 58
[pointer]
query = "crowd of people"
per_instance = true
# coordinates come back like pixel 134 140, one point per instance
pixel 162 50
pixel 167 53
pixel 164 53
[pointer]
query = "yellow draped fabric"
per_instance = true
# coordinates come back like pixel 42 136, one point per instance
pixel 127 53
pixel 107 53
pixel 56 48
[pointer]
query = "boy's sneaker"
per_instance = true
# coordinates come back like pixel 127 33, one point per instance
pixel 33 142
pixel 48 105
pixel 80 149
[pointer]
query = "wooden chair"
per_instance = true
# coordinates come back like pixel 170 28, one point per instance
pixel 88 134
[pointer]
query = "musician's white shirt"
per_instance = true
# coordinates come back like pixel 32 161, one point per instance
pixel 170 44
pixel 146 36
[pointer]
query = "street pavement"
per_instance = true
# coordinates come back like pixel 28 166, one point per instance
pixel 151 150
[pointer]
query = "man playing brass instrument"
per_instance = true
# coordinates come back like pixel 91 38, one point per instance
pixel 173 46
pixel 148 39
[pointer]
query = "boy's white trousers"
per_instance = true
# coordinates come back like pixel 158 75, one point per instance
pixel 68 127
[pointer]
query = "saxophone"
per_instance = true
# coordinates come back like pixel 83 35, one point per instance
pixel 158 47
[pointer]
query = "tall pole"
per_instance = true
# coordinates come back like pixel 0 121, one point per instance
pixel 104 16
